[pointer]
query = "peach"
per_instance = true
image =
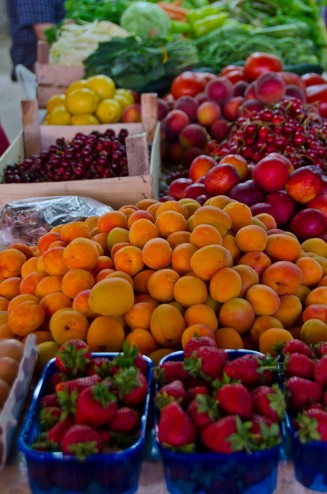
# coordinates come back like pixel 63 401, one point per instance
pixel 270 174
pixel 270 87
pixel 207 113
pixel 240 88
pixel 247 192
pixel 319 202
pixel 250 92
pixel 188 105
pixel 304 184
pixel 175 121
pixel 221 178
pixel 296 92
pixel 261 207
pixel 193 135
pixel 200 166
pixel 219 130
pixel 251 105
pixel 132 114
pixel 308 223
pixel 283 206
pixel 231 109
pixel 201 97
pixel 173 153
pixel 189 154
pixel 177 187
pixel 195 190
pixel 163 108
pixel 219 90
pixel 238 162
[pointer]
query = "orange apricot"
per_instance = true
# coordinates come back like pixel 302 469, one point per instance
pixel 81 253
pixel 53 261
pixel 214 216
pixel 145 203
pixel 30 282
pixel 209 259
pixel 26 318
pixel 52 302
pixel 29 267
pixel 196 329
pixel 68 324
pixel 313 331
pixel 46 240
pixel 240 215
pixel 76 280
pixel 284 277
pixel 190 290
pixel 112 296
pixel 205 235
pixel 25 249
pixel 263 299
pixel 139 315
pixel 21 298
pixel 138 215
pixel 141 231
pixel 229 242
pixel 109 220
pixel 289 311
pixel 104 262
pixel 311 269
pixel 10 287
pixel 174 206
pixel 11 262
pixel 73 230
pixel 177 238
pixel 272 339
pixel 267 219
pixel 156 253
pixel 6 332
pixel 141 280
pixel 219 201
pixel 161 284
pixel 282 247
pixel 91 222
pixel 181 258
pixel 261 324
pixel 4 302
pixel 167 325
pixel 316 245
pixel 251 238
pixel 315 311
pixel 115 248
pixel 101 275
pixel 129 260
pixel 48 284
pixel 143 340
pixel 228 338
pixel 201 313
pixel 169 222
pixel 101 238
pixel 225 284
pixel 81 303
pixel 117 235
pixel 316 296
pixel 259 261
pixel 248 275
pixel 236 313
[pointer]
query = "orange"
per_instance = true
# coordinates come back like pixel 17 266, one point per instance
pixel 161 284
pixel 167 325
pixel 111 297
pixel 106 333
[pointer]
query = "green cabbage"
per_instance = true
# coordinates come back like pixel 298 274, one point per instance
pixel 145 19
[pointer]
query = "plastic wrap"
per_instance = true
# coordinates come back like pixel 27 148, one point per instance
pixel 28 219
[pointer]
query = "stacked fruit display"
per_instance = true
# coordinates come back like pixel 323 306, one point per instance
pixel 156 273
pixel 93 101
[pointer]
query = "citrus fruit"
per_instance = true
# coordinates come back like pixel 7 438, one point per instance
pixel 126 93
pixel 54 101
pixel 121 98
pixel 109 111
pixel 59 116
pixel 84 119
pixel 82 100
pixel 102 85
pixel 76 85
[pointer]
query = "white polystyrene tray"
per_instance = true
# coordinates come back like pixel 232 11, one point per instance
pixel 9 416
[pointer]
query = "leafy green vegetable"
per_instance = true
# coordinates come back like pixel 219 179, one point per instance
pixel 91 10
pixel 134 62
pixel 145 19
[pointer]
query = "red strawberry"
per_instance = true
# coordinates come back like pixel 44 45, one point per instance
pixel 313 425
pixel 73 357
pixel 56 378
pixel 195 343
pixel 203 410
pixel 132 386
pixel 257 421
pixel 96 405
pixel 195 390
pixel 206 362
pixel 235 399
pixel 264 432
pixel 174 391
pixel 125 420
pixel 48 417
pixel 298 346
pixel 250 369
pixel 321 349
pixel 269 402
pixel 175 427
pixel 49 400
pixel 82 441
pixel 302 392
pixel 101 366
pixel 320 372
pixel 129 357
pixel 226 435
pixel 298 364
pixel 57 432
pixel 172 370
pixel 79 384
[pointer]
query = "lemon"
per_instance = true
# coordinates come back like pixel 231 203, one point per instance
pixel 82 100
pixel 122 100
pixel 54 101
pixel 102 85
pixel 84 119
pixel 59 116
pixel 76 85
pixel 109 111
pixel 127 93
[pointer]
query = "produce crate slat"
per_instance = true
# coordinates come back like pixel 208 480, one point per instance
pixel 57 75
pixel 44 93
pixel 31 126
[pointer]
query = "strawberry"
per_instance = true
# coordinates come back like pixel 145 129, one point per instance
pixel 195 343
pixel 298 364
pixel 175 427
pixel 302 392
pixel 129 357
pixel 269 402
pixel 73 357
pixel 132 386
pixel 235 399
pixel 50 400
pixel 172 370
pixel 298 346
pixel 192 392
pixel 226 435
pixel 125 420
pixel 96 405
pixel 48 417
pixel 264 433
pixel 101 366
pixel 203 410
pixel 251 369
pixel 82 441
pixel 56 378
pixel 174 391
pixel 206 362
pixel 320 372
pixel 79 383
pixel 321 349
pixel 313 425
pixel 57 432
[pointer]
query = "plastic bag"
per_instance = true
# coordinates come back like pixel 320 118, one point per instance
pixel 27 220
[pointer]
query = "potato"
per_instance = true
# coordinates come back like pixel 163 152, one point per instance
pixel 11 348
pixel 8 369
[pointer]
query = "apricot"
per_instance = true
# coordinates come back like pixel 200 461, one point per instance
pixel 289 311
pixel 141 231
pixel 225 284
pixel 263 299
pixel 76 280
pixel 81 303
pixel 315 311
pixel 52 302
pixel 229 242
pixel 201 313
pixel 228 338
pixel 110 220
pixel 81 253
pixel 205 235
pixel 111 297
pixel 29 266
pixel 284 277
pixel 48 284
pixel 209 259
pixel 248 275
pixel 196 330
pixel 68 324
pixel 181 258
pixel 161 284
pixel 167 325
pixel 251 238
pixel 10 287
pixel 139 315
pixel 315 245
pixel 30 282
pixel 156 253
pixel 11 262
pixel 311 269
pixel 174 206
pixel 26 318
pixel 236 313
pixel 271 340
pixel 313 331
pixel 138 215
pixel 129 260
pixel 141 280
pixel 46 240
pixel 259 261
pixel 106 334
pixel 240 215
pixel 316 296
pixel 4 302
pixel 53 261
pixel 261 324
pixel 116 236
pixel 212 215
pixel 177 238
pixel 189 290
pixel 143 340
pixel 282 247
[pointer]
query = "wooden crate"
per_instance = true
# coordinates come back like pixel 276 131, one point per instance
pixel 52 78
pixel 144 170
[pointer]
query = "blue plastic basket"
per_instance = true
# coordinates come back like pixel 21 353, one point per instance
pixel 56 473
pixel 218 473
